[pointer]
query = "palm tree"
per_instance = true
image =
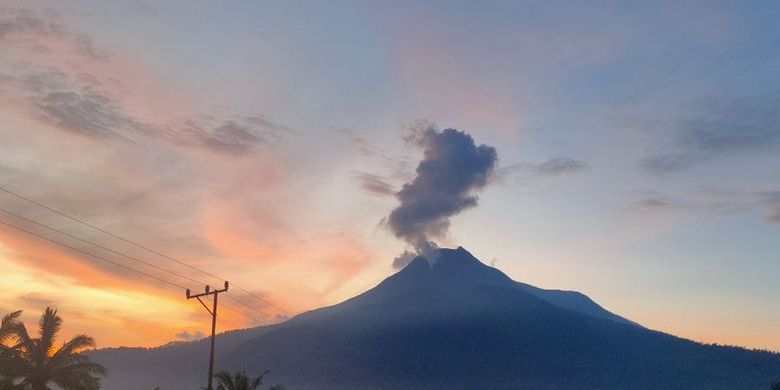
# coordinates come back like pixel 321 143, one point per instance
pixel 240 381
pixel 42 363
pixel 8 357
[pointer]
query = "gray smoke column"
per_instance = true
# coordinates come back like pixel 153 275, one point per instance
pixel 452 171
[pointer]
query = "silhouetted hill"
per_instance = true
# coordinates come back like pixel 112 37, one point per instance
pixel 458 324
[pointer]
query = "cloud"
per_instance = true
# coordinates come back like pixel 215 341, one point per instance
pixel 771 201
pixel 187 336
pixel 714 201
pixel 142 7
pixel 728 126
pixel 73 103
pixel 388 166
pixel 374 184
pixel 452 170
pixel 86 47
pixel 651 203
pixel 555 166
pixel 19 25
pixel 232 136
pixel 66 81
pixel 711 200
pixel 666 163
pixel 716 128
pixel 360 143
pixel 87 113
pixel 37 301
pixel 559 166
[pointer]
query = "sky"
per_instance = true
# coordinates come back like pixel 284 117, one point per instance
pixel 637 154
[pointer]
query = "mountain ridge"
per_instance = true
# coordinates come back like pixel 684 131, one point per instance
pixel 457 323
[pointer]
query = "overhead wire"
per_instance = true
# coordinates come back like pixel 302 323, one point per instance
pixel 104 259
pixel 150 250
pixel 42 225
pixel 73 248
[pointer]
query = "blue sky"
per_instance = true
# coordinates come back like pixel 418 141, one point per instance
pixel 638 146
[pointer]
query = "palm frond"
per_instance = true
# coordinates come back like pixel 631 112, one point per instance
pixel 20 332
pixel 50 325
pixel 225 380
pixel 8 325
pixel 10 318
pixel 75 345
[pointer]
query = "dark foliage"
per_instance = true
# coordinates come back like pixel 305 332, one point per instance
pixel 35 363
pixel 240 381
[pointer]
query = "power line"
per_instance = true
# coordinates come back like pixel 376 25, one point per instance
pixel 90 254
pixel 241 312
pixel 116 236
pixel 72 218
pixel 101 258
pixel 36 223
pixel 260 299
pixel 244 304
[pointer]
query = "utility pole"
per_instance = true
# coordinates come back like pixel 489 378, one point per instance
pixel 213 312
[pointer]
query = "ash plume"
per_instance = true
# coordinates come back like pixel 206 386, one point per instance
pixel 452 171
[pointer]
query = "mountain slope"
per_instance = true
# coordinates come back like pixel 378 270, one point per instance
pixel 460 324
pixel 573 300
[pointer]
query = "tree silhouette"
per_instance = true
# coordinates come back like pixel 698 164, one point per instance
pixel 775 385
pixel 240 381
pixel 9 361
pixel 39 363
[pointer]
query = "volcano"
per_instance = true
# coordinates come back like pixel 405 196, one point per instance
pixel 455 323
